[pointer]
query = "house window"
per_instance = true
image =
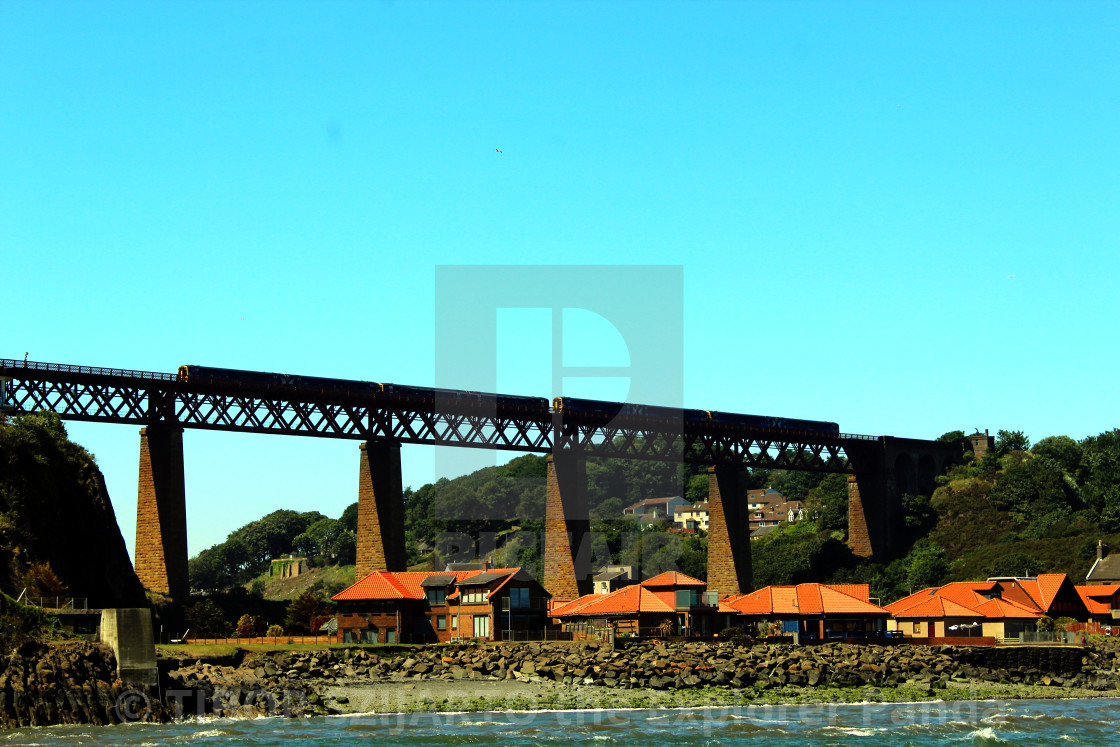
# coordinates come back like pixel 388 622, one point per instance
pixel 441 623
pixel 686 598
pixel 454 622
pixel 518 599
pixel 476 596
pixel 481 626
pixel 436 597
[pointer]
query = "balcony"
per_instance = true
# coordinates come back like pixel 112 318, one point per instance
pixel 690 599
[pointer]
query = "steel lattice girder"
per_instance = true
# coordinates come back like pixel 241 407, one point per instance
pixel 140 398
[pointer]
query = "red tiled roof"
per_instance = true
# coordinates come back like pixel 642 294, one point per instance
pixel 629 600
pixel 1021 598
pixel 1098 599
pixel 934 606
pixel 1042 589
pixel 378 585
pixel 562 607
pixel 1049 584
pixel 861 592
pixel 406 584
pixel 1004 608
pixel 672 578
pixel 805 599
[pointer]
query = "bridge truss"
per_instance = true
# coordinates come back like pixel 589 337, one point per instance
pixel 145 398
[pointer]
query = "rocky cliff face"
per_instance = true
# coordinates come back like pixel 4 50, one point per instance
pixel 70 683
pixel 54 509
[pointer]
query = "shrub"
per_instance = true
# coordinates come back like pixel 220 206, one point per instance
pixel 249 626
pixel 41 581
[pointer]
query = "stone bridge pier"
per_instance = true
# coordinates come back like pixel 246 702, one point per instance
pixel 161 512
pixel 885 470
pixel 380 509
pixel 729 532
pixel 567 528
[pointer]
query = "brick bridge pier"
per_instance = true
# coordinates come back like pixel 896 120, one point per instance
pixel 884 469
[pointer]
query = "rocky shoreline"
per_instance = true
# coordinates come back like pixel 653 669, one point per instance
pixel 528 676
pixel 74 682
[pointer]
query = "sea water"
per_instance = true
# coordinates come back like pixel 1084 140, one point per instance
pixel 1023 722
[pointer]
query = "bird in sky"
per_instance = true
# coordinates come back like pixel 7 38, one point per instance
pixel 497 151
pixel 1010 276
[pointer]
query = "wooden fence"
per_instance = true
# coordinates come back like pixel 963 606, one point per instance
pixel 266 640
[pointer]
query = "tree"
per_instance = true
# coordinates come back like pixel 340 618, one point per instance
pixel 1062 449
pixel 206 620
pixel 696 490
pixel 827 504
pixel 349 517
pixel 329 540
pixel 302 610
pixel 1100 476
pixel 790 554
pixel 917 513
pixel 694 555
pixel 1033 488
pixel 794 484
pixel 1008 441
pixel 926 565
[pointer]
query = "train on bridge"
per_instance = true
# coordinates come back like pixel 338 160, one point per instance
pixel 318 386
pixel 427 396
pixel 613 409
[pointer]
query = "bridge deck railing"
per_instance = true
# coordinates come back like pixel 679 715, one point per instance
pixel 87 370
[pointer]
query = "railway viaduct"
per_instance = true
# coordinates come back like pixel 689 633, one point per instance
pixel 879 469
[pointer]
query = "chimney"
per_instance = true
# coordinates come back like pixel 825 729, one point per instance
pixel 1102 550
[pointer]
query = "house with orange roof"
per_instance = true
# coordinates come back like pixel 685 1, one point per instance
pixel 670 601
pixel 420 606
pixel 814 611
pixel 1102 602
pixel 996 608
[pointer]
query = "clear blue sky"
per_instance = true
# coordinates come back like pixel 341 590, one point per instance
pixel 899 216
